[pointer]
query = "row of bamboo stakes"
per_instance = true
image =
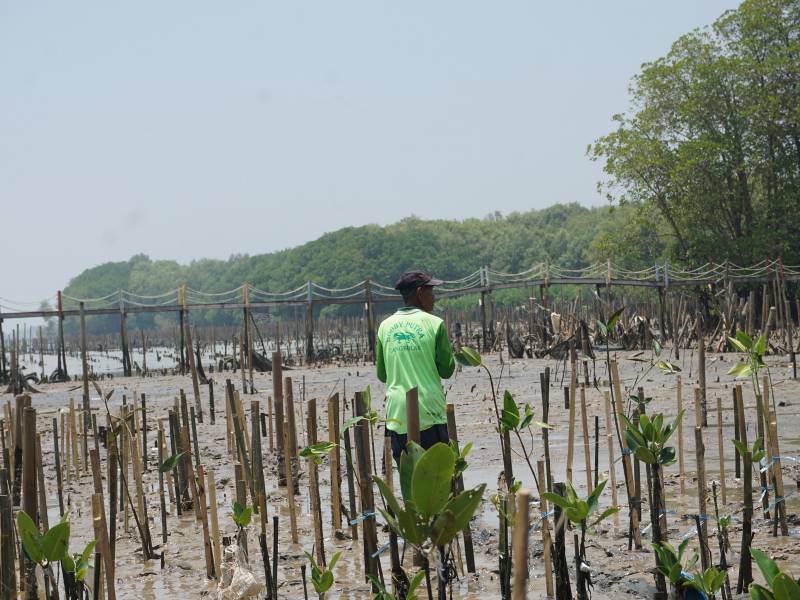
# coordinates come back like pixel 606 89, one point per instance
pixel 22 475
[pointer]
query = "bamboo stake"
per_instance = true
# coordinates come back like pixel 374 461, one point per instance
pixel 59 480
pixel 700 452
pixel 100 512
pixel 626 459
pixel 681 463
pixel 212 500
pixel 452 432
pixel 612 469
pixel 520 545
pixel 201 498
pixel 778 475
pixel 546 540
pixel 721 452
pixel 161 499
pixel 336 490
pixel 587 455
pixel 289 481
pixel 29 481
pixel 571 424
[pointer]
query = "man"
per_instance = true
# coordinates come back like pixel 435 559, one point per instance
pixel 413 351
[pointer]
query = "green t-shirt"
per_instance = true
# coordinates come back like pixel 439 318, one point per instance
pixel 412 350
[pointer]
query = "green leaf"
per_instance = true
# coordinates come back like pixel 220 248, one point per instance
pixel 408 460
pixel 554 498
pixel 510 410
pixel 349 423
pixel 409 529
pixel 334 560
pixel 740 446
pixel 602 328
pixel 758 592
pixel 765 564
pixel 785 587
pixel 741 370
pixel 542 425
pixel 444 528
pixel 612 321
pixel 656 347
pixel 387 494
pixel 605 514
pixel 316 452
pixel 87 551
pixel 667 367
pixel 738 344
pixel 55 543
pixel 30 537
pixel 645 455
pixel 464 505
pixel 68 564
pixel 760 345
pixel 594 498
pixel 745 340
pixel 170 463
pixel 468 357
pixel 241 515
pixel 432 479
pixel 415 583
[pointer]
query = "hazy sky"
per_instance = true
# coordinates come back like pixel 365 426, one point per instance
pixel 194 129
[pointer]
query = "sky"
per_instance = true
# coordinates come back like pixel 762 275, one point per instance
pixel 190 129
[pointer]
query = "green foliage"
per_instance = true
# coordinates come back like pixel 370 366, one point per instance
pixel 241 515
pixel 468 357
pixel 577 510
pixel 317 452
pixel 321 577
pixel 707 150
pixel 709 582
pixel 430 512
pixel 79 563
pixel 51 547
pixel 780 585
pixel 170 463
pixel 756 451
pixel 384 594
pixel 517 418
pixel 569 235
pixel 461 457
pixel 647 439
pixel 669 561
pixel 754 352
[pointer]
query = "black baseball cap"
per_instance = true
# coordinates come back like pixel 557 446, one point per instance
pixel 412 280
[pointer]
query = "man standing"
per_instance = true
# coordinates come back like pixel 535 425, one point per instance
pixel 413 351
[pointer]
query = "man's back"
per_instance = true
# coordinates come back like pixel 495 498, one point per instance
pixel 413 351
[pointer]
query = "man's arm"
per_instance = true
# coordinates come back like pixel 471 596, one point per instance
pixel 445 363
pixel 380 365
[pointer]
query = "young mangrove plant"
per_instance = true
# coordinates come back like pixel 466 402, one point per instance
pixel 780 585
pixel 579 511
pixel 431 515
pixel 410 594
pixel 51 548
pixel 322 577
pixel 669 563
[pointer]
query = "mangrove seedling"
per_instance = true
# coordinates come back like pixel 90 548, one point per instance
pixel 578 511
pixel 384 594
pixel 431 516
pixel 322 577
pixel 780 585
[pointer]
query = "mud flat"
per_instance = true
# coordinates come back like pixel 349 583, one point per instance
pixel 616 571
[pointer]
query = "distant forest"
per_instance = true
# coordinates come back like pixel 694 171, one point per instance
pixel 567 235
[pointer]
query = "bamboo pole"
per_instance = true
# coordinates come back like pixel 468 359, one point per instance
pixel 520 545
pixel 721 452
pixel 201 500
pixel 452 432
pixel 99 511
pixel 587 455
pixel 612 469
pixel 547 542
pixel 289 481
pixel 681 463
pixel 571 423
pixel 336 489
pixel 212 500
pixel 700 452
pixel 29 482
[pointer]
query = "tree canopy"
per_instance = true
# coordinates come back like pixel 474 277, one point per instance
pixel 710 147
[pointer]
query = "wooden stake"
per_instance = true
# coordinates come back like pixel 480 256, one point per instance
pixel 29 481
pixel 520 545
pixel 289 481
pixel 201 500
pixel 452 432
pixel 333 435
pixel 681 463
pixel 612 468
pixel 546 541
pixel 571 424
pixel 700 452
pixel 587 455
pixel 212 499
pixel 721 451
pixel 101 535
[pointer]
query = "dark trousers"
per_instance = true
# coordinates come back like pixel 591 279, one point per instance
pixel 427 438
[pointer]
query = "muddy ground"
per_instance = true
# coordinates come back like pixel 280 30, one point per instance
pixel 617 572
